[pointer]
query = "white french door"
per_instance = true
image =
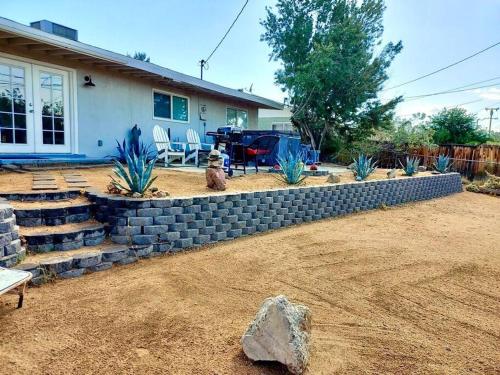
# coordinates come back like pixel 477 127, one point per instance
pixel 16 107
pixel 34 108
pixel 51 110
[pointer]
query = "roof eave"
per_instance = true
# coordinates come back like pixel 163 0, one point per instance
pixel 196 84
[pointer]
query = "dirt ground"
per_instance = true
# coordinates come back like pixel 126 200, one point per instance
pixel 176 182
pixel 407 290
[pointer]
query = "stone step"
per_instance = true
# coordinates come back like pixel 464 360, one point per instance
pixel 75 263
pixel 36 196
pixel 35 214
pixel 62 237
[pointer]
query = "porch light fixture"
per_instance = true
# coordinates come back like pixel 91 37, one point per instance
pixel 88 81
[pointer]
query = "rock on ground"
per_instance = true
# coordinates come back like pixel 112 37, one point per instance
pixel 333 178
pixel 280 332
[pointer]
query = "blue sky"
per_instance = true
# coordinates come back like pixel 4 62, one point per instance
pixel 178 33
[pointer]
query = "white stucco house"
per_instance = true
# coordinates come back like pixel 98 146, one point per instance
pixel 63 98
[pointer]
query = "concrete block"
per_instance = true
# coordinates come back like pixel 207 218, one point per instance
pixel 144 239
pixel 140 251
pixel 149 212
pixel 201 239
pixel 155 229
pixel 76 272
pixel 170 236
pixel 185 218
pixel 189 233
pixel 86 260
pixel 161 203
pixel 101 267
pixel 71 245
pixel 140 221
pixel 162 247
pixel 114 254
pixel 207 230
pixel 183 243
pixel 230 219
pixel 197 224
pixel 218 236
pixel 57 265
pixel 177 227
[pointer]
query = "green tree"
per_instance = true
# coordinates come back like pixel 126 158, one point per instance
pixel 455 125
pixel 141 56
pixel 329 65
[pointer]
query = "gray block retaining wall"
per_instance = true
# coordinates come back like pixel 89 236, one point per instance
pixel 171 224
pixel 10 245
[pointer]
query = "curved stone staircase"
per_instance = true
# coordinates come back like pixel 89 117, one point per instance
pixel 54 234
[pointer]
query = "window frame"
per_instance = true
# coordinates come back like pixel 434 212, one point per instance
pixel 241 110
pixel 171 94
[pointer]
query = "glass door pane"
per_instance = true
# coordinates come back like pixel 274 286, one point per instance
pixel 13 129
pixel 52 101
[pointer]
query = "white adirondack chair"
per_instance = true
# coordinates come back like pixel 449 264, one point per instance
pixel 196 147
pixel 165 149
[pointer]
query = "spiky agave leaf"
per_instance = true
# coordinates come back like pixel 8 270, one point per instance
pixel 442 163
pixel 411 166
pixel 291 169
pixel 138 178
pixel 363 167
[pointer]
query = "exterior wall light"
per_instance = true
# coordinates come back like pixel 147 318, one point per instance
pixel 88 81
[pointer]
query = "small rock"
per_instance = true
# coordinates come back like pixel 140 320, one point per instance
pixel 280 332
pixel 422 168
pixel 136 195
pixel 392 173
pixel 160 194
pixel 333 178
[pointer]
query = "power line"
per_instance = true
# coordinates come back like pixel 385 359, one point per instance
pixel 203 62
pixel 449 91
pixel 473 101
pixel 443 68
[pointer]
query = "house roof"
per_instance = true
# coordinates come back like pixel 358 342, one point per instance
pixel 18 37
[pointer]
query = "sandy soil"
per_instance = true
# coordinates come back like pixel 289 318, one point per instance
pixel 44 229
pixel 176 182
pixel 408 290
pixel 52 204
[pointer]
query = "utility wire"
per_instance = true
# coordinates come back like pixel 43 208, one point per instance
pixel 443 68
pixel 227 32
pixel 449 91
pixel 473 101
pixel 464 86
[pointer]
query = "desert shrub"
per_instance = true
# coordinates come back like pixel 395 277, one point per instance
pixel 411 166
pixel 363 167
pixel 291 167
pixel 492 182
pixel 442 163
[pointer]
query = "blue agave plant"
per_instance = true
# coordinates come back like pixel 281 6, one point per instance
pixel 292 167
pixel 442 163
pixel 135 146
pixel 411 166
pixel 138 178
pixel 363 167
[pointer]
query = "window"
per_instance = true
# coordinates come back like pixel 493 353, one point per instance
pixel 170 107
pixel 282 126
pixel 237 117
pixel 12 105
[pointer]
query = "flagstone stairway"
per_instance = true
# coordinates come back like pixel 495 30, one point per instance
pixel 52 233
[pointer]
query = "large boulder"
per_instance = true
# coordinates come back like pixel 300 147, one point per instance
pixel 280 332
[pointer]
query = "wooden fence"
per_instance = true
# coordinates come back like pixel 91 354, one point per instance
pixel 469 161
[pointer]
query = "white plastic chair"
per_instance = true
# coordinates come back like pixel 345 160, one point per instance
pixel 165 149
pixel 196 147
